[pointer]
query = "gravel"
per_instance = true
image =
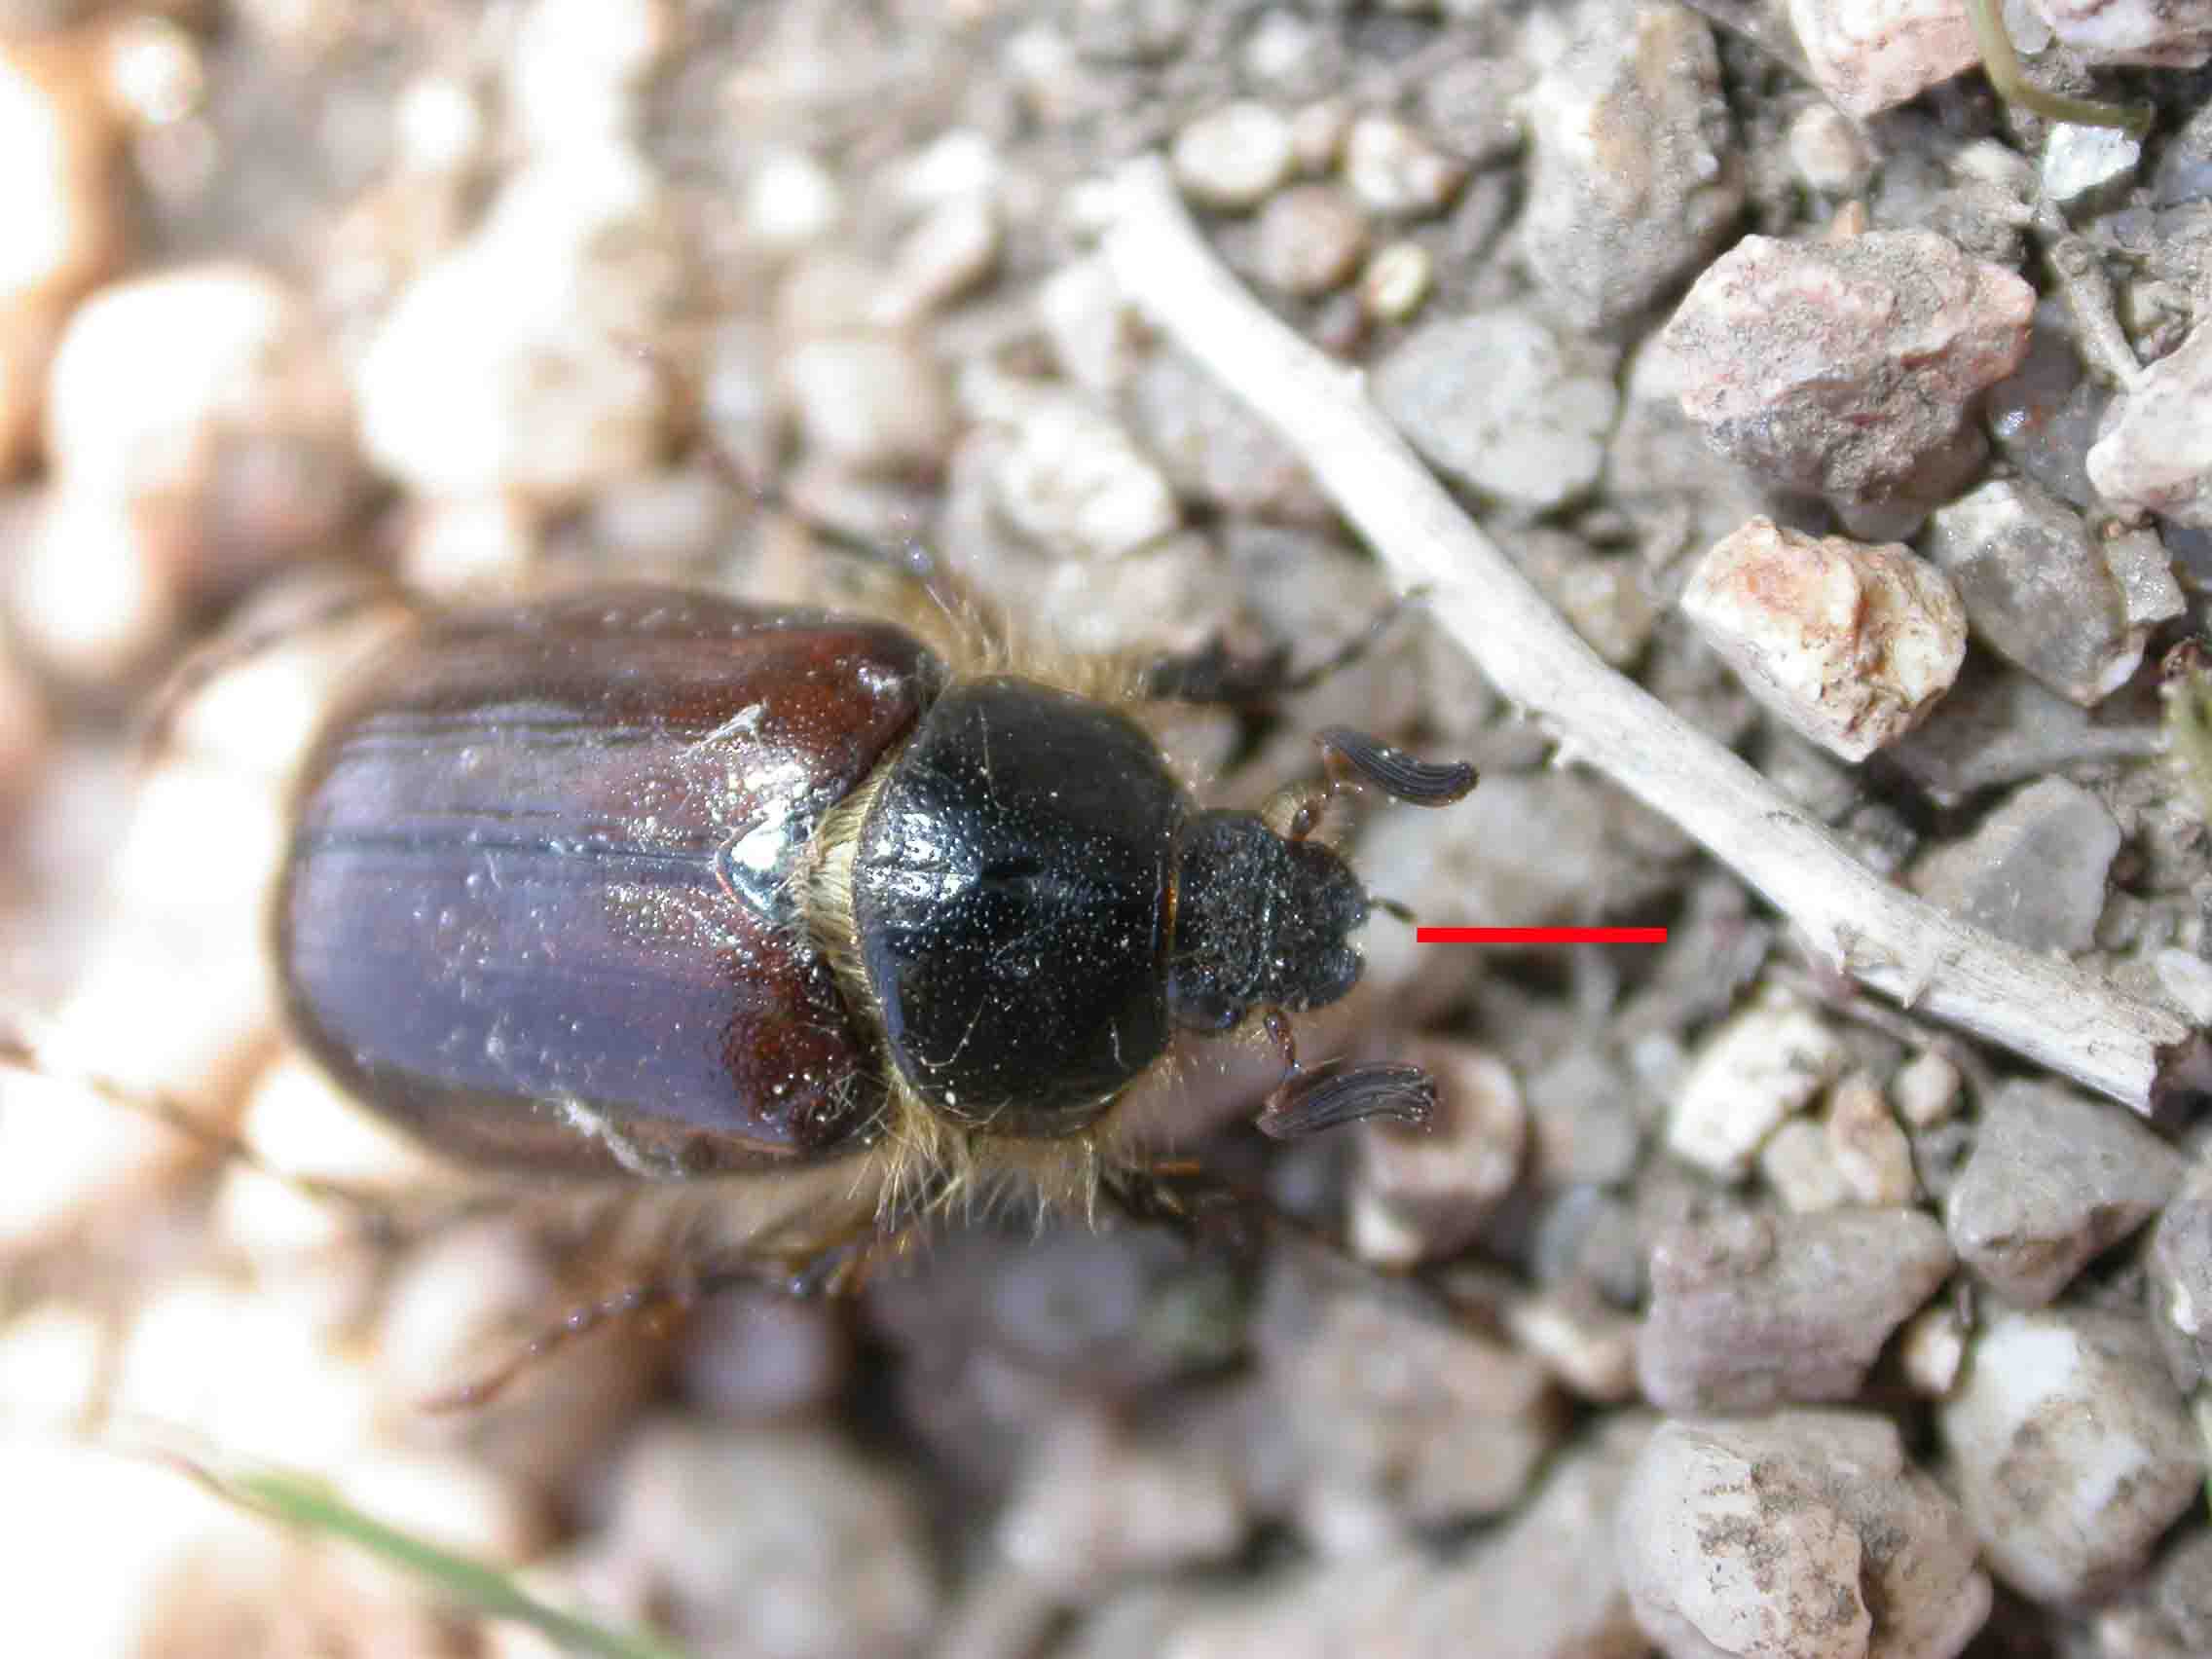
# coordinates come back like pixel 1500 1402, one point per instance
pixel 1851 644
pixel 2054 1181
pixel 2152 455
pixel 1786 375
pixel 1802 1532
pixel 2035 871
pixel 1754 1312
pixel 2021 560
pixel 2070 1449
pixel 1635 172
pixel 1499 402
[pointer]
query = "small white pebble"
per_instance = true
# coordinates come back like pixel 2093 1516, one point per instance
pixel 790 201
pixel 951 251
pixel 237 1369
pixel 2128 31
pixel 438 124
pixel 52 1360
pixel 2070 1448
pixel 959 166
pixel 1925 1089
pixel 2156 449
pixel 1799 1165
pixel 2188 978
pixel 871 402
pixel 2079 160
pixel 1931 1348
pixel 1073 481
pixel 1317 134
pixel 1504 402
pixel 154 71
pixel 1589 1346
pixel 1806 1533
pixel 1233 159
pixel 468 544
pixel 1828 152
pixel 513 361
pixel 1093 1503
pixel 1871 1152
pixel 1396 281
pixel 239 454
pixel 1091 330
pixel 88 602
pixel 1761 1066
pixel 1308 241
pixel 1281 47
pixel 574 66
pixel 1393 170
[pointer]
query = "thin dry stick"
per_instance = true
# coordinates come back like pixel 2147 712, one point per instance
pixel 2075 1023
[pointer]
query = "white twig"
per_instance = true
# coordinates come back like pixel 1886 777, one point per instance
pixel 2073 1022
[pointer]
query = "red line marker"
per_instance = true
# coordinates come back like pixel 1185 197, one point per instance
pixel 1541 936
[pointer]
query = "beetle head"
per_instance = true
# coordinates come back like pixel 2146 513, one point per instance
pixel 1260 922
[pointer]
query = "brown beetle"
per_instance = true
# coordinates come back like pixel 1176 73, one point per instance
pixel 634 882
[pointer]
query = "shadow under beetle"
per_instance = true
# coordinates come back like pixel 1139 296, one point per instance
pixel 634 882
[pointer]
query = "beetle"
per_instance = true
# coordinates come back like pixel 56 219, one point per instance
pixel 651 885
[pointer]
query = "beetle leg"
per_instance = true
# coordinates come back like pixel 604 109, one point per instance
pixel 910 558
pixel 1183 1196
pixel 1213 673
pixel 379 1218
pixel 839 1270
pixel 633 1301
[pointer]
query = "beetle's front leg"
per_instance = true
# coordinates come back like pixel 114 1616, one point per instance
pixel 1215 674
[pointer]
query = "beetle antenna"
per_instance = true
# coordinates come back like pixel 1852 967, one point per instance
pixel 1305 1103
pixel 1325 1100
pixel 1392 909
pixel 1353 758
pixel 1350 759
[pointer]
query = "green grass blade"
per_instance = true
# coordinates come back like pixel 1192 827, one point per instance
pixel 309 1505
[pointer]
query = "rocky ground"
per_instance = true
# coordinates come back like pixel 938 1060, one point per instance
pixel 1731 1305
